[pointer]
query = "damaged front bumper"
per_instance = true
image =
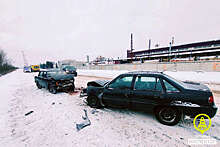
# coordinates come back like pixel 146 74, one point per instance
pixel 64 86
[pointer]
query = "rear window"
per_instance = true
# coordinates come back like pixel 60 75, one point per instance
pixel 170 88
pixel 176 81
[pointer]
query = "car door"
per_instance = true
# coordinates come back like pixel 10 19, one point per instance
pixel 43 78
pixel 117 92
pixel 39 79
pixel 147 92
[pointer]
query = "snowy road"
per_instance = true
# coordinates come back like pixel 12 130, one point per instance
pixel 54 118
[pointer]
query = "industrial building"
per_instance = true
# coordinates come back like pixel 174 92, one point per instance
pixel 192 51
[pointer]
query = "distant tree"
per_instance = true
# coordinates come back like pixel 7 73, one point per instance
pixel 2 57
pixel 5 66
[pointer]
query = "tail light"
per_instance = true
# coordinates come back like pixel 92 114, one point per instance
pixel 211 99
pixel 57 83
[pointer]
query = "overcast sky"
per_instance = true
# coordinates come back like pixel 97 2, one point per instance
pixel 72 29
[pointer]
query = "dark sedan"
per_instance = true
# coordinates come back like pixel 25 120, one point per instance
pixel 70 70
pixel 54 81
pixel 168 97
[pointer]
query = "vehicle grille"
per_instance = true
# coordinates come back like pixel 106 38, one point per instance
pixel 63 82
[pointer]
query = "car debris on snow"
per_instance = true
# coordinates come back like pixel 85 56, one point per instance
pixel 29 113
pixel 85 123
pixel 94 111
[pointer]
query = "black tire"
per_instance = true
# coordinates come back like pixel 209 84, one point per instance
pixel 168 115
pixel 72 88
pixel 93 101
pixel 38 85
pixel 52 89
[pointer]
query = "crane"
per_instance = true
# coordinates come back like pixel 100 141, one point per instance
pixel 24 58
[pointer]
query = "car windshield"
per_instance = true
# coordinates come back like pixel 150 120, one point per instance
pixel 70 67
pixel 51 72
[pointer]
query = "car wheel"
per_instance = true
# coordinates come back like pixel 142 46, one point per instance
pixel 72 88
pixel 52 89
pixel 93 101
pixel 38 85
pixel 168 115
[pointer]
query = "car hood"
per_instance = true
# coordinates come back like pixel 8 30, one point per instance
pixel 98 83
pixel 196 86
pixel 62 76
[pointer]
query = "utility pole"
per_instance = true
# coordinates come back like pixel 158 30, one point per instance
pixel 87 58
pixel 132 47
pixel 170 47
pixel 149 46
pixel 170 51
pixel 132 42
pixel 172 40
pixel 24 58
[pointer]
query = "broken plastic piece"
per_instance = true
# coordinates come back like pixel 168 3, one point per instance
pixel 29 113
pixel 85 123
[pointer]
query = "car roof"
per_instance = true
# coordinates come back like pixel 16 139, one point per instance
pixel 145 72
pixel 49 70
pixel 68 66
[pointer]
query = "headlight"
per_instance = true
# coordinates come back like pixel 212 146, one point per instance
pixel 71 80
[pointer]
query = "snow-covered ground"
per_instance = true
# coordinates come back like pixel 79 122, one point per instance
pixel 54 118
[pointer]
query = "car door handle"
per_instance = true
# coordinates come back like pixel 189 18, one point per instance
pixel 128 94
pixel 156 96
